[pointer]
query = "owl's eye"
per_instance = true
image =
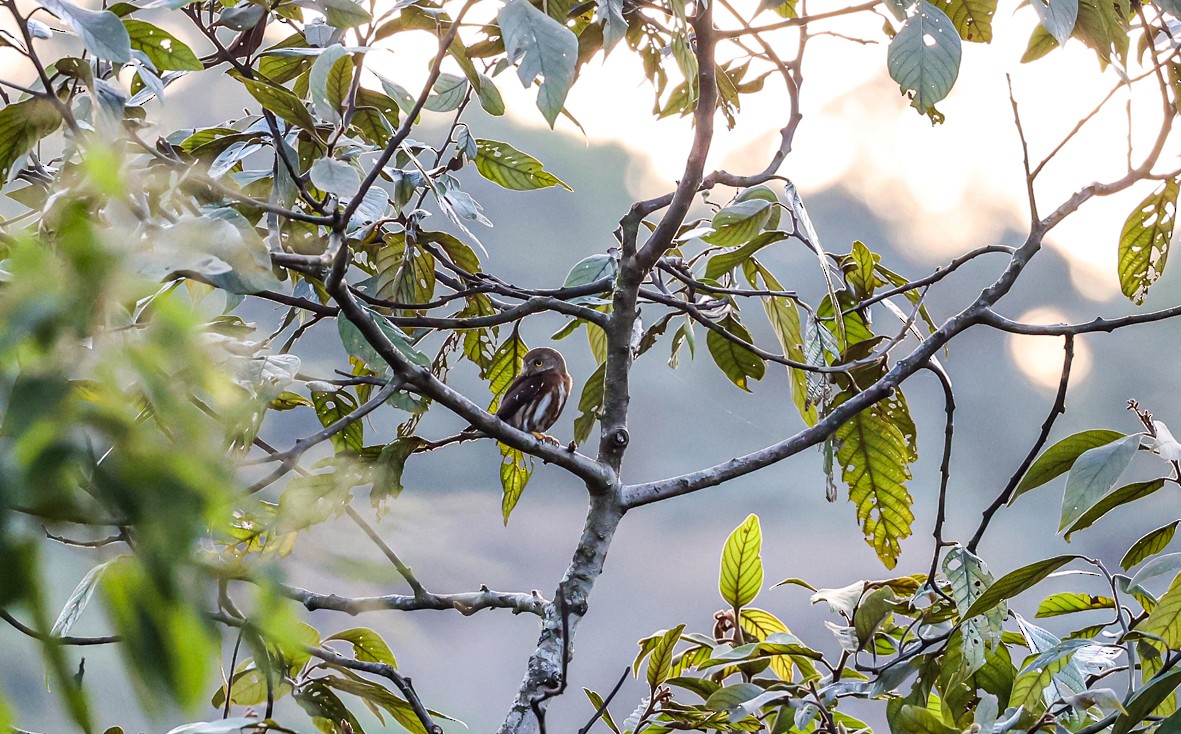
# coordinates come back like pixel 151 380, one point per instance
pixel 537 363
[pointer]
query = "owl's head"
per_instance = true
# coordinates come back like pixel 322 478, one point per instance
pixel 543 359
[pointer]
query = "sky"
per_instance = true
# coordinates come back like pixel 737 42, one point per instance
pixel 937 193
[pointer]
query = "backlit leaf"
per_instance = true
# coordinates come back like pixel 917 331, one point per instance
pixel 1093 475
pixel 924 58
pixel 873 455
pixel 541 47
pixel 506 166
pixel 1058 459
pixel 1144 241
pixel 741 576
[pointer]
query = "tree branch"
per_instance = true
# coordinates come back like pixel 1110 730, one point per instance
pixel 466 603
pixel 1058 408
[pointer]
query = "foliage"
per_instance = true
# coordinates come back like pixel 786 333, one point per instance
pixel 133 392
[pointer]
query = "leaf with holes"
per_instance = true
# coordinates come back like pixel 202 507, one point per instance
pixel 969 579
pixel 163 49
pixel 504 165
pixel 515 470
pixel 972 18
pixel 873 455
pixel 924 58
pixel 333 406
pixel 741 575
pixel 505 365
pixel 1144 241
pixel 1069 602
pixel 1057 17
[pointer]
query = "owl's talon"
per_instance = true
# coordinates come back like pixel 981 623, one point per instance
pixel 545 437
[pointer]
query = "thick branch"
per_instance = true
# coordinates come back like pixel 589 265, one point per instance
pixel 466 603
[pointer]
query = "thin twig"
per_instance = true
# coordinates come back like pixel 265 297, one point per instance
pixel 1057 409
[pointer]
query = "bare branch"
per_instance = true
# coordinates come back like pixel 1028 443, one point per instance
pixel 466 603
pixel 75 641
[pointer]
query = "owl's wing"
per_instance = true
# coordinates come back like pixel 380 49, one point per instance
pixel 522 390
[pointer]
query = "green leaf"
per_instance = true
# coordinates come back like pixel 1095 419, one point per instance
pixel 281 101
pixel 515 470
pixel 504 165
pixel 735 360
pixel 489 96
pixel 1059 458
pixel 905 718
pixel 1040 44
pixel 372 693
pixel 22 125
pixel 342 13
pixel 327 105
pixel 328 712
pixel 1122 496
pixel 1145 700
pixel 447 94
pixel 356 345
pixel 924 58
pixel 1057 16
pixel 541 47
pixel 741 575
pixel 724 262
pixel 505 365
pixel 1029 686
pixel 1151 543
pixel 972 18
pixel 101 31
pixel 1069 602
pixel 1144 241
pixel 1093 475
pixel 405 275
pixel 1015 582
pixel 727 698
pixel 391 463
pixel 590 405
pixel 368 645
pixel 873 454
pixel 970 578
pixel 739 222
pixel 597 701
pixel 661 658
pixel 335 177
pixel 331 407
pixel 163 49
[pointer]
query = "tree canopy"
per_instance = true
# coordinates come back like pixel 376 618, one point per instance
pixel 138 399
